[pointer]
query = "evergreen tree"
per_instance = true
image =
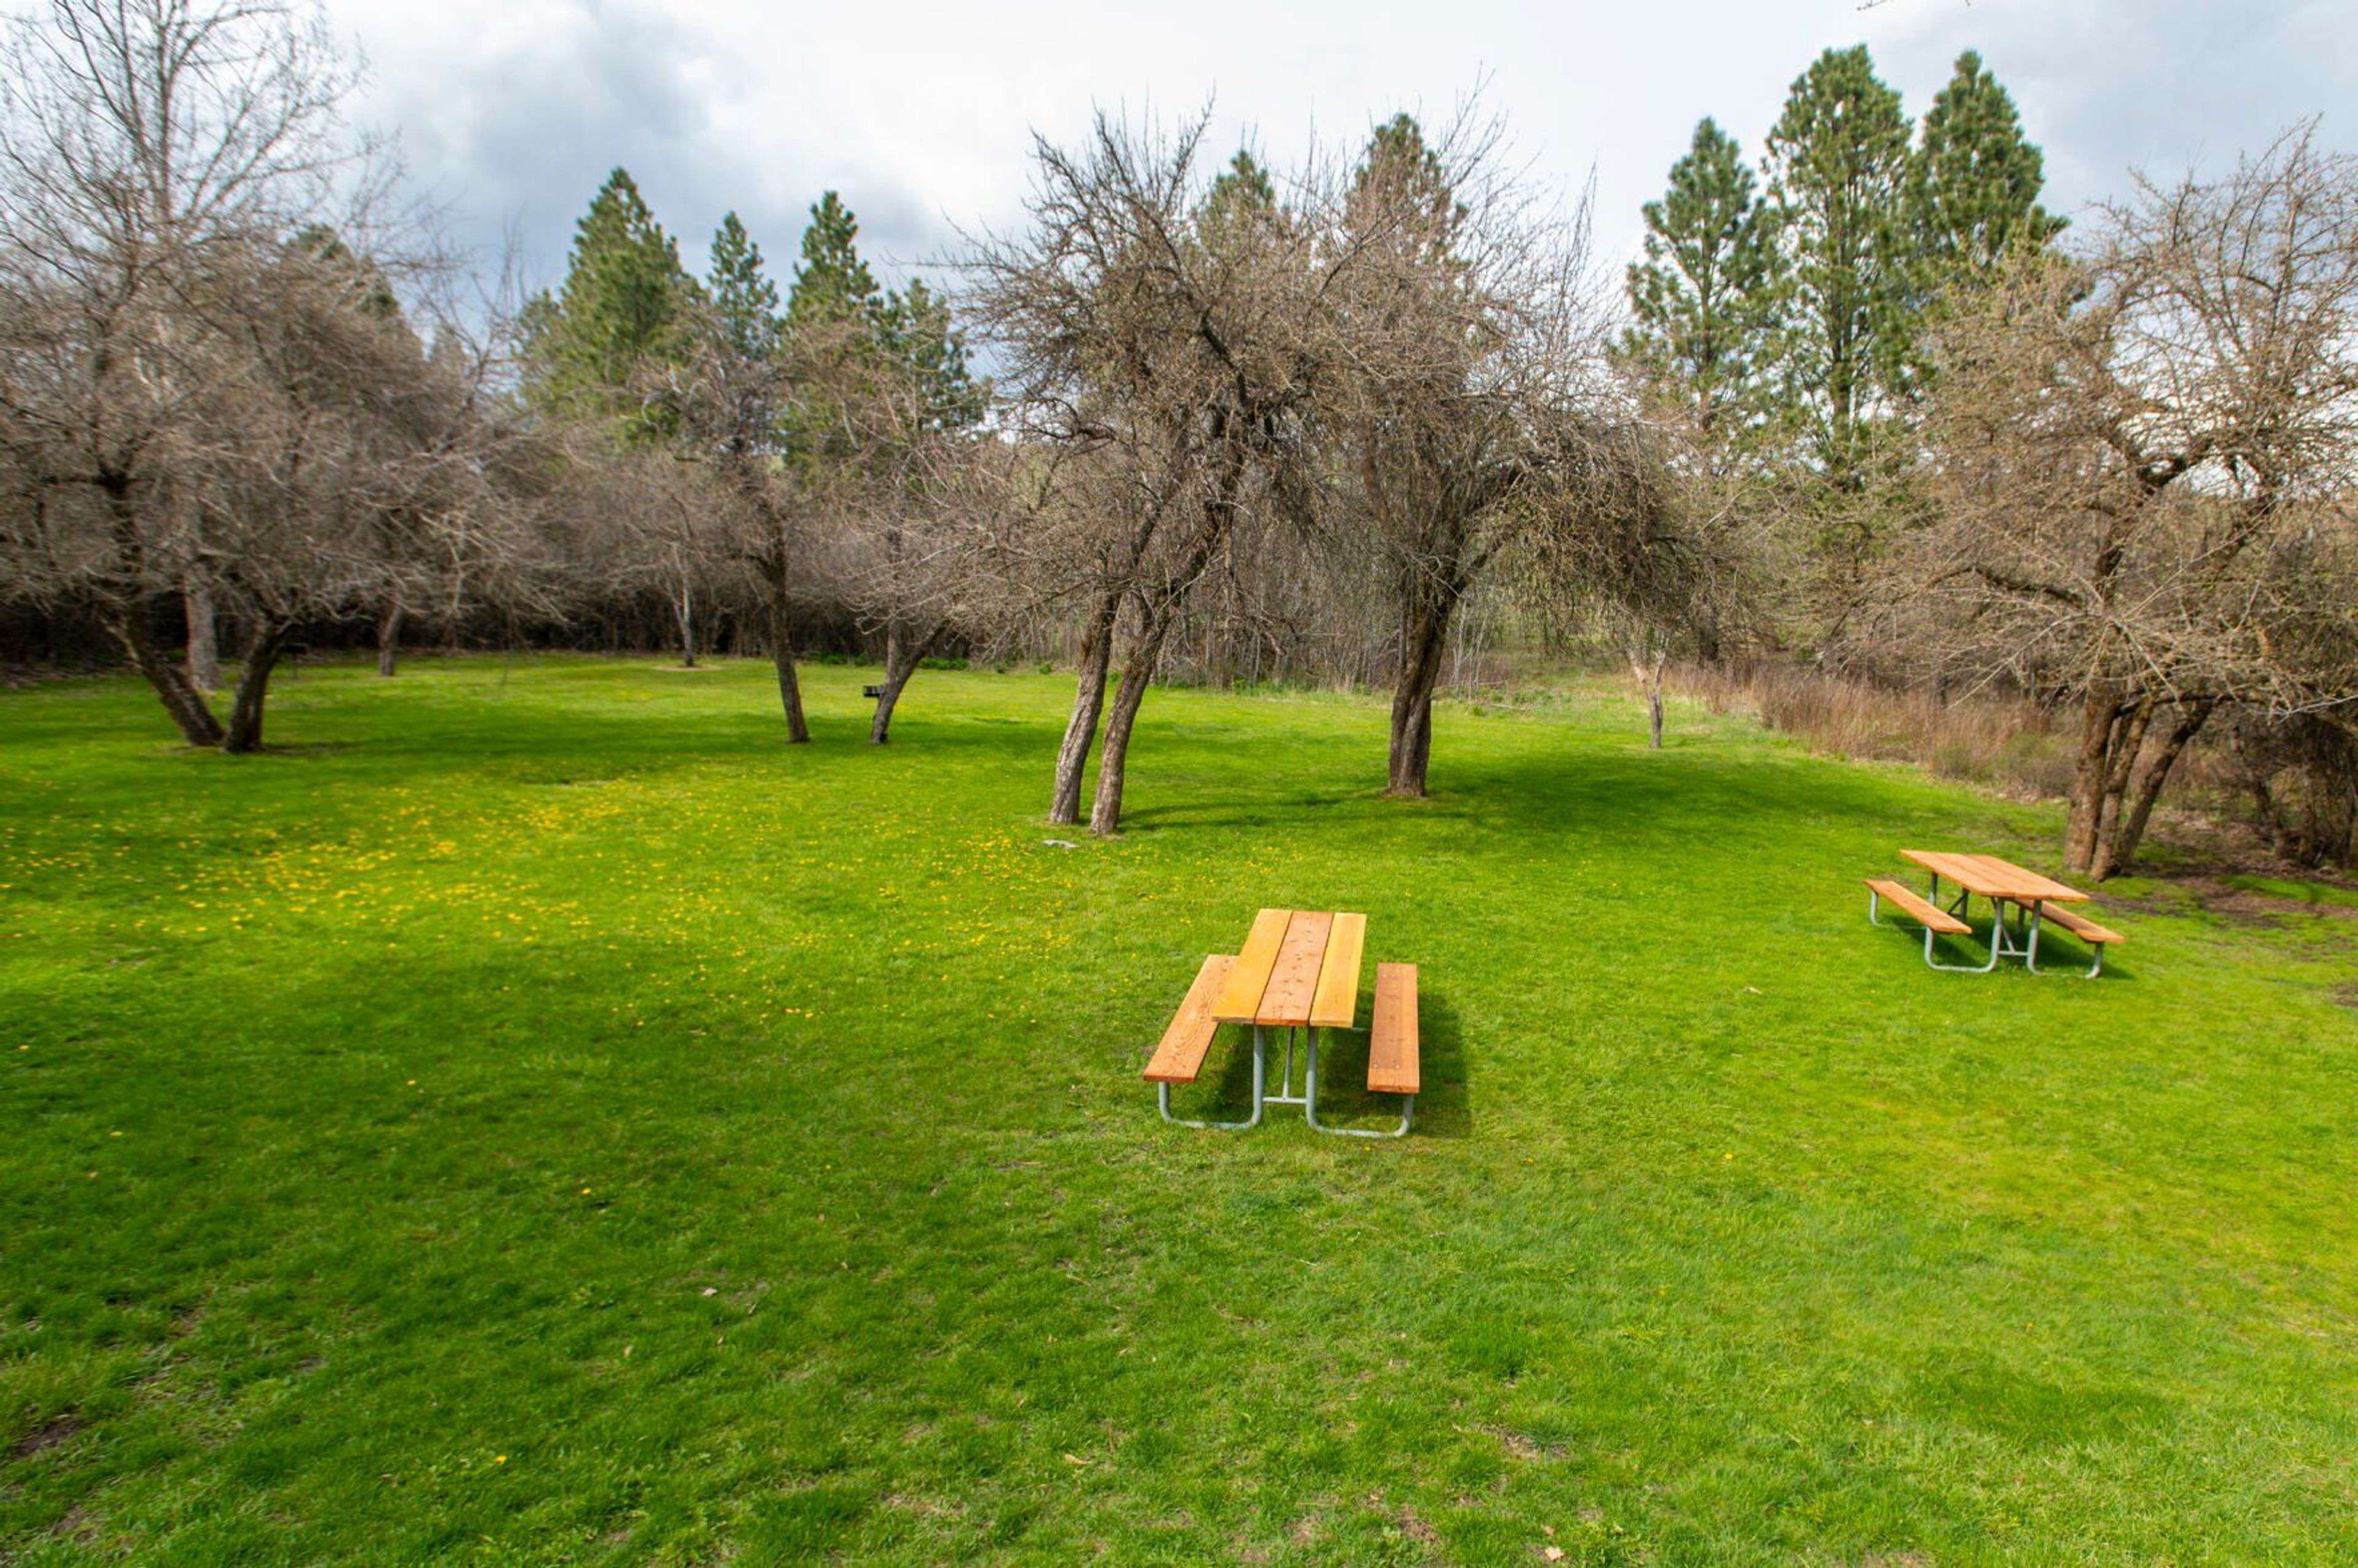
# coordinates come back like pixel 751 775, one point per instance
pixel 832 283
pixel 1974 184
pixel 1705 295
pixel 1838 161
pixel 744 301
pixel 622 304
pixel 916 334
pixel 1401 179
pixel 834 313
pixel 1242 195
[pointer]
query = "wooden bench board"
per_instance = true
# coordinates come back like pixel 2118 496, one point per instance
pixel 1931 916
pixel 1337 1005
pixel 1293 979
pixel 1179 1055
pixel 1239 997
pixel 2078 926
pixel 1392 1066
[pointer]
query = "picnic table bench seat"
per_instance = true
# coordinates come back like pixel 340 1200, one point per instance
pixel 1392 1043
pixel 1393 1061
pixel 2096 937
pixel 1928 916
pixel 1179 1055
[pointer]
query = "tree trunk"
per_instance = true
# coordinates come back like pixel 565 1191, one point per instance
pixel 204 638
pixel 169 677
pixel 253 686
pixel 901 657
pixel 1412 735
pixel 682 610
pixel 388 640
pixel 2089 773
pixel 1649 675
pixel 1137 673
pixel 2116 851
pixel 782 650
pixel 1088 702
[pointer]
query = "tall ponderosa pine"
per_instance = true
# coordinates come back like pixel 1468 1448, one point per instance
pixel 623 304
pixel 744 301
pixel 1972 189
pixel 916 337
pixel 1241 195
pixel 1837 167
pixel 832 283
pixel 1705 296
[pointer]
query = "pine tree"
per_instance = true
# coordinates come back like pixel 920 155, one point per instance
pixel 1973 184
pixel 1401 178
pixel 744 301
pixel 915 332
pixel 1242 195
pixel 832 283
pixel 1705 296
pixel 1837 170
pixel 623 303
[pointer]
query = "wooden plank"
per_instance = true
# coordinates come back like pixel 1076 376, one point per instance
pixel 1392 1066
pixel 2078 926
pixel 1180 1056
pixel 1958 869
pixel 1249 975
pixel 2026 886
pixel 1294 981
pixel 1992 877
pixel 1914 906
pixel 1337 1005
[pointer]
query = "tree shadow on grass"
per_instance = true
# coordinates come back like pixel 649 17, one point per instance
pixel 1445 1108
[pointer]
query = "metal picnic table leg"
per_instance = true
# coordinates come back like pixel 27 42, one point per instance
pixel 1964 902
pixel 1163 1097
pixel 1310 1106
pixel 2031 963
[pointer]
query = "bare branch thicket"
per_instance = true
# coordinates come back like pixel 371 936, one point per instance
pixel 2143 453
pixel 1480 428
pixel 208 385
pixel 1162 334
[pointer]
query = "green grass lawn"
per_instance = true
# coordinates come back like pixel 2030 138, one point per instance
pixel 538 1116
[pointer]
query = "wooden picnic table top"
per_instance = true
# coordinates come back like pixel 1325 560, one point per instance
pixel 1993 878
pixel 1296 966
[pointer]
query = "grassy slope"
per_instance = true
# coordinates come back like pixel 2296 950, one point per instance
pixel 542 1115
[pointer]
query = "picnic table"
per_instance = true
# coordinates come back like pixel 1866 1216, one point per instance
pixel 1297 971
pixel 2031 897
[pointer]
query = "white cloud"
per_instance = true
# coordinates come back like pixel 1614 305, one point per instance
pixel 921 115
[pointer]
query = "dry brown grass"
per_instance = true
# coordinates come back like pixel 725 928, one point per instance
pixel 2006 745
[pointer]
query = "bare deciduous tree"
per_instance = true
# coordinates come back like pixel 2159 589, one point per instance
pixel 2144 459
pixel 1163 329
pixel 205 377
pixel 1481 423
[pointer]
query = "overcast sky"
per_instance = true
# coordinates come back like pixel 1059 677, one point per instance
pixel 921 115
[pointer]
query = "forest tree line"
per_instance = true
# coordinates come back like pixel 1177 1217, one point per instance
pixel 1864 404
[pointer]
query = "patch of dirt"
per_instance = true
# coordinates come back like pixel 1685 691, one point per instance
pixel 2238 904
pixel 1523 1445
pixel 926 1507
pixel 57 1431
pixel 1415 1528
pixel 2346 995
pixel 2208 894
